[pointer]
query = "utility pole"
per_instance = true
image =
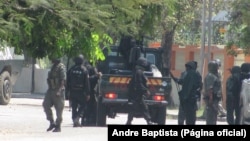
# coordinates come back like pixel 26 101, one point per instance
pixel 203 30
pixel 209 29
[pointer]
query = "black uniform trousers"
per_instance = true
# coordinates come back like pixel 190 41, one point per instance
pixel 78 103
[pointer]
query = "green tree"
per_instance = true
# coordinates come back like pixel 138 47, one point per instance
pixel 239 27
pixel 54 27
pixel 176 14
pixel 58 27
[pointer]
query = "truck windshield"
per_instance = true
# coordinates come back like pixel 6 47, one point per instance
pixel 150 58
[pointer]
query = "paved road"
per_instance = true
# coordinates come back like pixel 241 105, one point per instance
pixel 24 120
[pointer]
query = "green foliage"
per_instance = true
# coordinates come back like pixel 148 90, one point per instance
pixel 46 28
pixel 239 29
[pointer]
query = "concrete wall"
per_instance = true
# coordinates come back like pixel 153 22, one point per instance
pixel 24 83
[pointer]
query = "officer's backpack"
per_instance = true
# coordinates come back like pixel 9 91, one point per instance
pixel 77 77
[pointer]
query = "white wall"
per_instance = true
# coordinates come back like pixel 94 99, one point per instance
pixel 23 83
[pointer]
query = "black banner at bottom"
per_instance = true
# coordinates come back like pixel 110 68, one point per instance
pixel 162 132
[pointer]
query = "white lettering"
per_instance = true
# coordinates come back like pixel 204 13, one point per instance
pixel 125 133
pixel 161 132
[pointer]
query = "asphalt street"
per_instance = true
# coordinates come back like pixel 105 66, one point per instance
pixel 23 119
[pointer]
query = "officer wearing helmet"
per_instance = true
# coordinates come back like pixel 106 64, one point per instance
pixel 233 89
pixel 191 82
pixel 222 111
pixel 55 94
pixel 78 87
pixel 213 93
pixel 138 90
pixel 94 77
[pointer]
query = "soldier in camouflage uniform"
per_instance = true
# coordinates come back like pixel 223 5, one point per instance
pixel 55 94
pixel 222 112
pixel 213 93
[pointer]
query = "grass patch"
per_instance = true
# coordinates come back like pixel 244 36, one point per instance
pixel 199 112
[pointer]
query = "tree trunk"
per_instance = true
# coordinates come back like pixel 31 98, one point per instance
pixel 167 42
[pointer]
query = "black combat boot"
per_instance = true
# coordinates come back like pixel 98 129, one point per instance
pixel 130 118
pixel 51 126
pixel 128 123
pixel 76 122
pixel 57 128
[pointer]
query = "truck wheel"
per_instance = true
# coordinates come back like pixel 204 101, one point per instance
pixel 101 113
pixel 5 88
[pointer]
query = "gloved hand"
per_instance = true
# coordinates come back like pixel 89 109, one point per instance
pixel 147 94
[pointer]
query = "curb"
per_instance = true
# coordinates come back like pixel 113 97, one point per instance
pixel 27 95
pixel 173 113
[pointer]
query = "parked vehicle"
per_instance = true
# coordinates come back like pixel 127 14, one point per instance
pixel 113 86
pixel 10 70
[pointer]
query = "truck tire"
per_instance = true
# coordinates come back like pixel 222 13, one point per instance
pixel 5 88
pixel 101 113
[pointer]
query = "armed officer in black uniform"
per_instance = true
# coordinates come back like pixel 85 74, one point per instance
pixel 138 90
pixel 94 76
pixel 78 83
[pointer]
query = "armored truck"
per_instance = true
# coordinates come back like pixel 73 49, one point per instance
pixel 113 86
pixel 10 70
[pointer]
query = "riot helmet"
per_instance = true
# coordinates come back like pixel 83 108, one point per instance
pixel 54 59
pixel 213 67
pixel 142 62
pixel 79 59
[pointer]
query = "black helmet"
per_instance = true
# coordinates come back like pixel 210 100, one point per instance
pixel 79 59
pixel 213 67
pixel 54 59
pixel 142 62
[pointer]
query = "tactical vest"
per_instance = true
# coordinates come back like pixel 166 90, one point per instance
pixel 217 91
pixel 54 76
pixel 77 77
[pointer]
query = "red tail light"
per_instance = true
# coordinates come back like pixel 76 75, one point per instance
pixel 158 97
pixel 111 95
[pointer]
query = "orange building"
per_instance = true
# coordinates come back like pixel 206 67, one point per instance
pixel 183 54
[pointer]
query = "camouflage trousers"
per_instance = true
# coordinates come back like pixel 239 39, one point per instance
pixel 50 100
pixel 212 112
